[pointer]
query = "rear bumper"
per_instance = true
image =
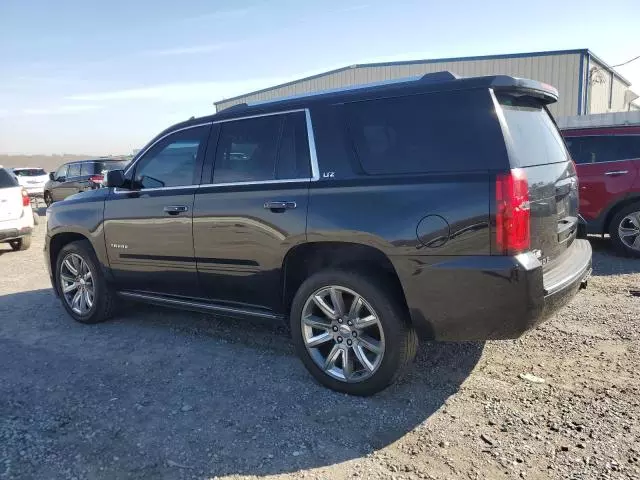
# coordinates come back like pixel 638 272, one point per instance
pixel 489 297
pixel 14 233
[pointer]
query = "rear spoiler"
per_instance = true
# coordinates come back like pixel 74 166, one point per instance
pixel 524 87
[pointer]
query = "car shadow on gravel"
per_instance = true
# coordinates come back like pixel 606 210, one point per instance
pixel 607 262
pixel 163 393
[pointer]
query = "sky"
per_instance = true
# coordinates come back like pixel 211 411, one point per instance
pixel 104 77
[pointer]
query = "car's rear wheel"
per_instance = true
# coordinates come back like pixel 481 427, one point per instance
pixel 47 199
pixel 351 334
pixel 81 284
pixel 22 243
pixel 625 230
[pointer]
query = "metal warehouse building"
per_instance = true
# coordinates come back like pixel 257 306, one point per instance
pixel 586 84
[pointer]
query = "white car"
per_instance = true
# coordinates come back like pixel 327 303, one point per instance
pixel 32 179
pixel 16 216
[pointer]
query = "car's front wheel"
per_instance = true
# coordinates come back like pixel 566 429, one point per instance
pixel 625 230
pixel 48 200
pixel 81 284
pixel 350 333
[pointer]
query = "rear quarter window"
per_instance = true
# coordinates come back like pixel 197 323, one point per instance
pixel 7 179
pixel 427 133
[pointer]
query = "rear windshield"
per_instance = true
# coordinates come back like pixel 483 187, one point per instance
pixel 99 167
pixel 7 179
pixel 107 166
pixel 535 138
pixel 29 172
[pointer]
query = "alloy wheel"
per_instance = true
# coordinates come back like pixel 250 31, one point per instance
pixel 47 199
pixel 76 282
pixel 342 333
pixel 629 231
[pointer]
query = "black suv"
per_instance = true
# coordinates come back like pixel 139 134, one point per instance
pixel 76 177
pixel 441 207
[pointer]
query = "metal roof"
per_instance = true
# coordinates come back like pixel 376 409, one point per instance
pixel 583 51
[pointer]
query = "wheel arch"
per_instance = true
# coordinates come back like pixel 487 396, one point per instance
pixel 57 243
pixel 305 259
pixel 616 207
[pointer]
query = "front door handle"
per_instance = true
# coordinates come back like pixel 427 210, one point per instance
pixel 279 206
pixel 175 209
pixel 616 173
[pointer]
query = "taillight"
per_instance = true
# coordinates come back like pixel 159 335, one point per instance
pixel 96 178
pixel 513 234
pixel 26 201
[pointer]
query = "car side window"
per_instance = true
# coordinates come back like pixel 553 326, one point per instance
pixel 88 168
pixel 61 172
pixel 629 146
pixel 273 147
pixel 74 170
pixel 603 148
pixel 172 161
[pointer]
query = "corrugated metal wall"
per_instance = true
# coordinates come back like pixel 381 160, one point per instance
pixel 561 71
pixel 604 98
pixel 599 85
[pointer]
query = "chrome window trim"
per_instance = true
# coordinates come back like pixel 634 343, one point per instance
pixel 144 152
pixel 313 156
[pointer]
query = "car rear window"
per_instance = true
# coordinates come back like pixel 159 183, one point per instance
pixel 7 179
pixel 435 132
pixel 29 172
pixel 535 139
pixel 111 165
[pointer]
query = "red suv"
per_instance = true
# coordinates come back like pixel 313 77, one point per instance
pixel 608 165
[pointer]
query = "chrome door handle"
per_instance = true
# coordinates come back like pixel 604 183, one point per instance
pixel 175 209
pixel 616 173
pixel 276 205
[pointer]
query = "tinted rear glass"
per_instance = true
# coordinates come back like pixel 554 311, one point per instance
pixel 436 132
pixel 29 172
pixel 535 138
pixel 112 165
pixel 7 179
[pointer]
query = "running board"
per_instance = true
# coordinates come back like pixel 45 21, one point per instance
pixel 204 307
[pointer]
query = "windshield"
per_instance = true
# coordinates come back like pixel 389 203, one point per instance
pixel 6 179
pixel 28 172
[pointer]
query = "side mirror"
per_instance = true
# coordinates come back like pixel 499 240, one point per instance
pixel 115 178
pixel 52 176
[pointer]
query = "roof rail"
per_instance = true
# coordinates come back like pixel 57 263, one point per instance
pixel 442 76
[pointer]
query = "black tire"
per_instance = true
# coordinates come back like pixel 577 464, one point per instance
pixel 619 218
pixel 104 303
pixel 20 244
pixel 47 199
pixel 401 341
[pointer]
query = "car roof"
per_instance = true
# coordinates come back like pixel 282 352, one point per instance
pixel 431 82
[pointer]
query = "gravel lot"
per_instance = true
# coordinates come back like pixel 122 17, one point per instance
pixel 166 394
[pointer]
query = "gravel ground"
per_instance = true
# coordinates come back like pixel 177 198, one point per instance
pixel 166 394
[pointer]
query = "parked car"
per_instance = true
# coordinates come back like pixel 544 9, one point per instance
pixel 31 179
pixel 16 216
pixel 79 176
pixel 608 164
pixel 442 207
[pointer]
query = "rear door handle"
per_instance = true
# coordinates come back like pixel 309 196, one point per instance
pixel 616 173
pixel 175 209
pixel 279 205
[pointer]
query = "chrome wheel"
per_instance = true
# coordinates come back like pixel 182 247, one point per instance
pixel 76 283
pixel 47 199
pixel 342 334
pixel 629 231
